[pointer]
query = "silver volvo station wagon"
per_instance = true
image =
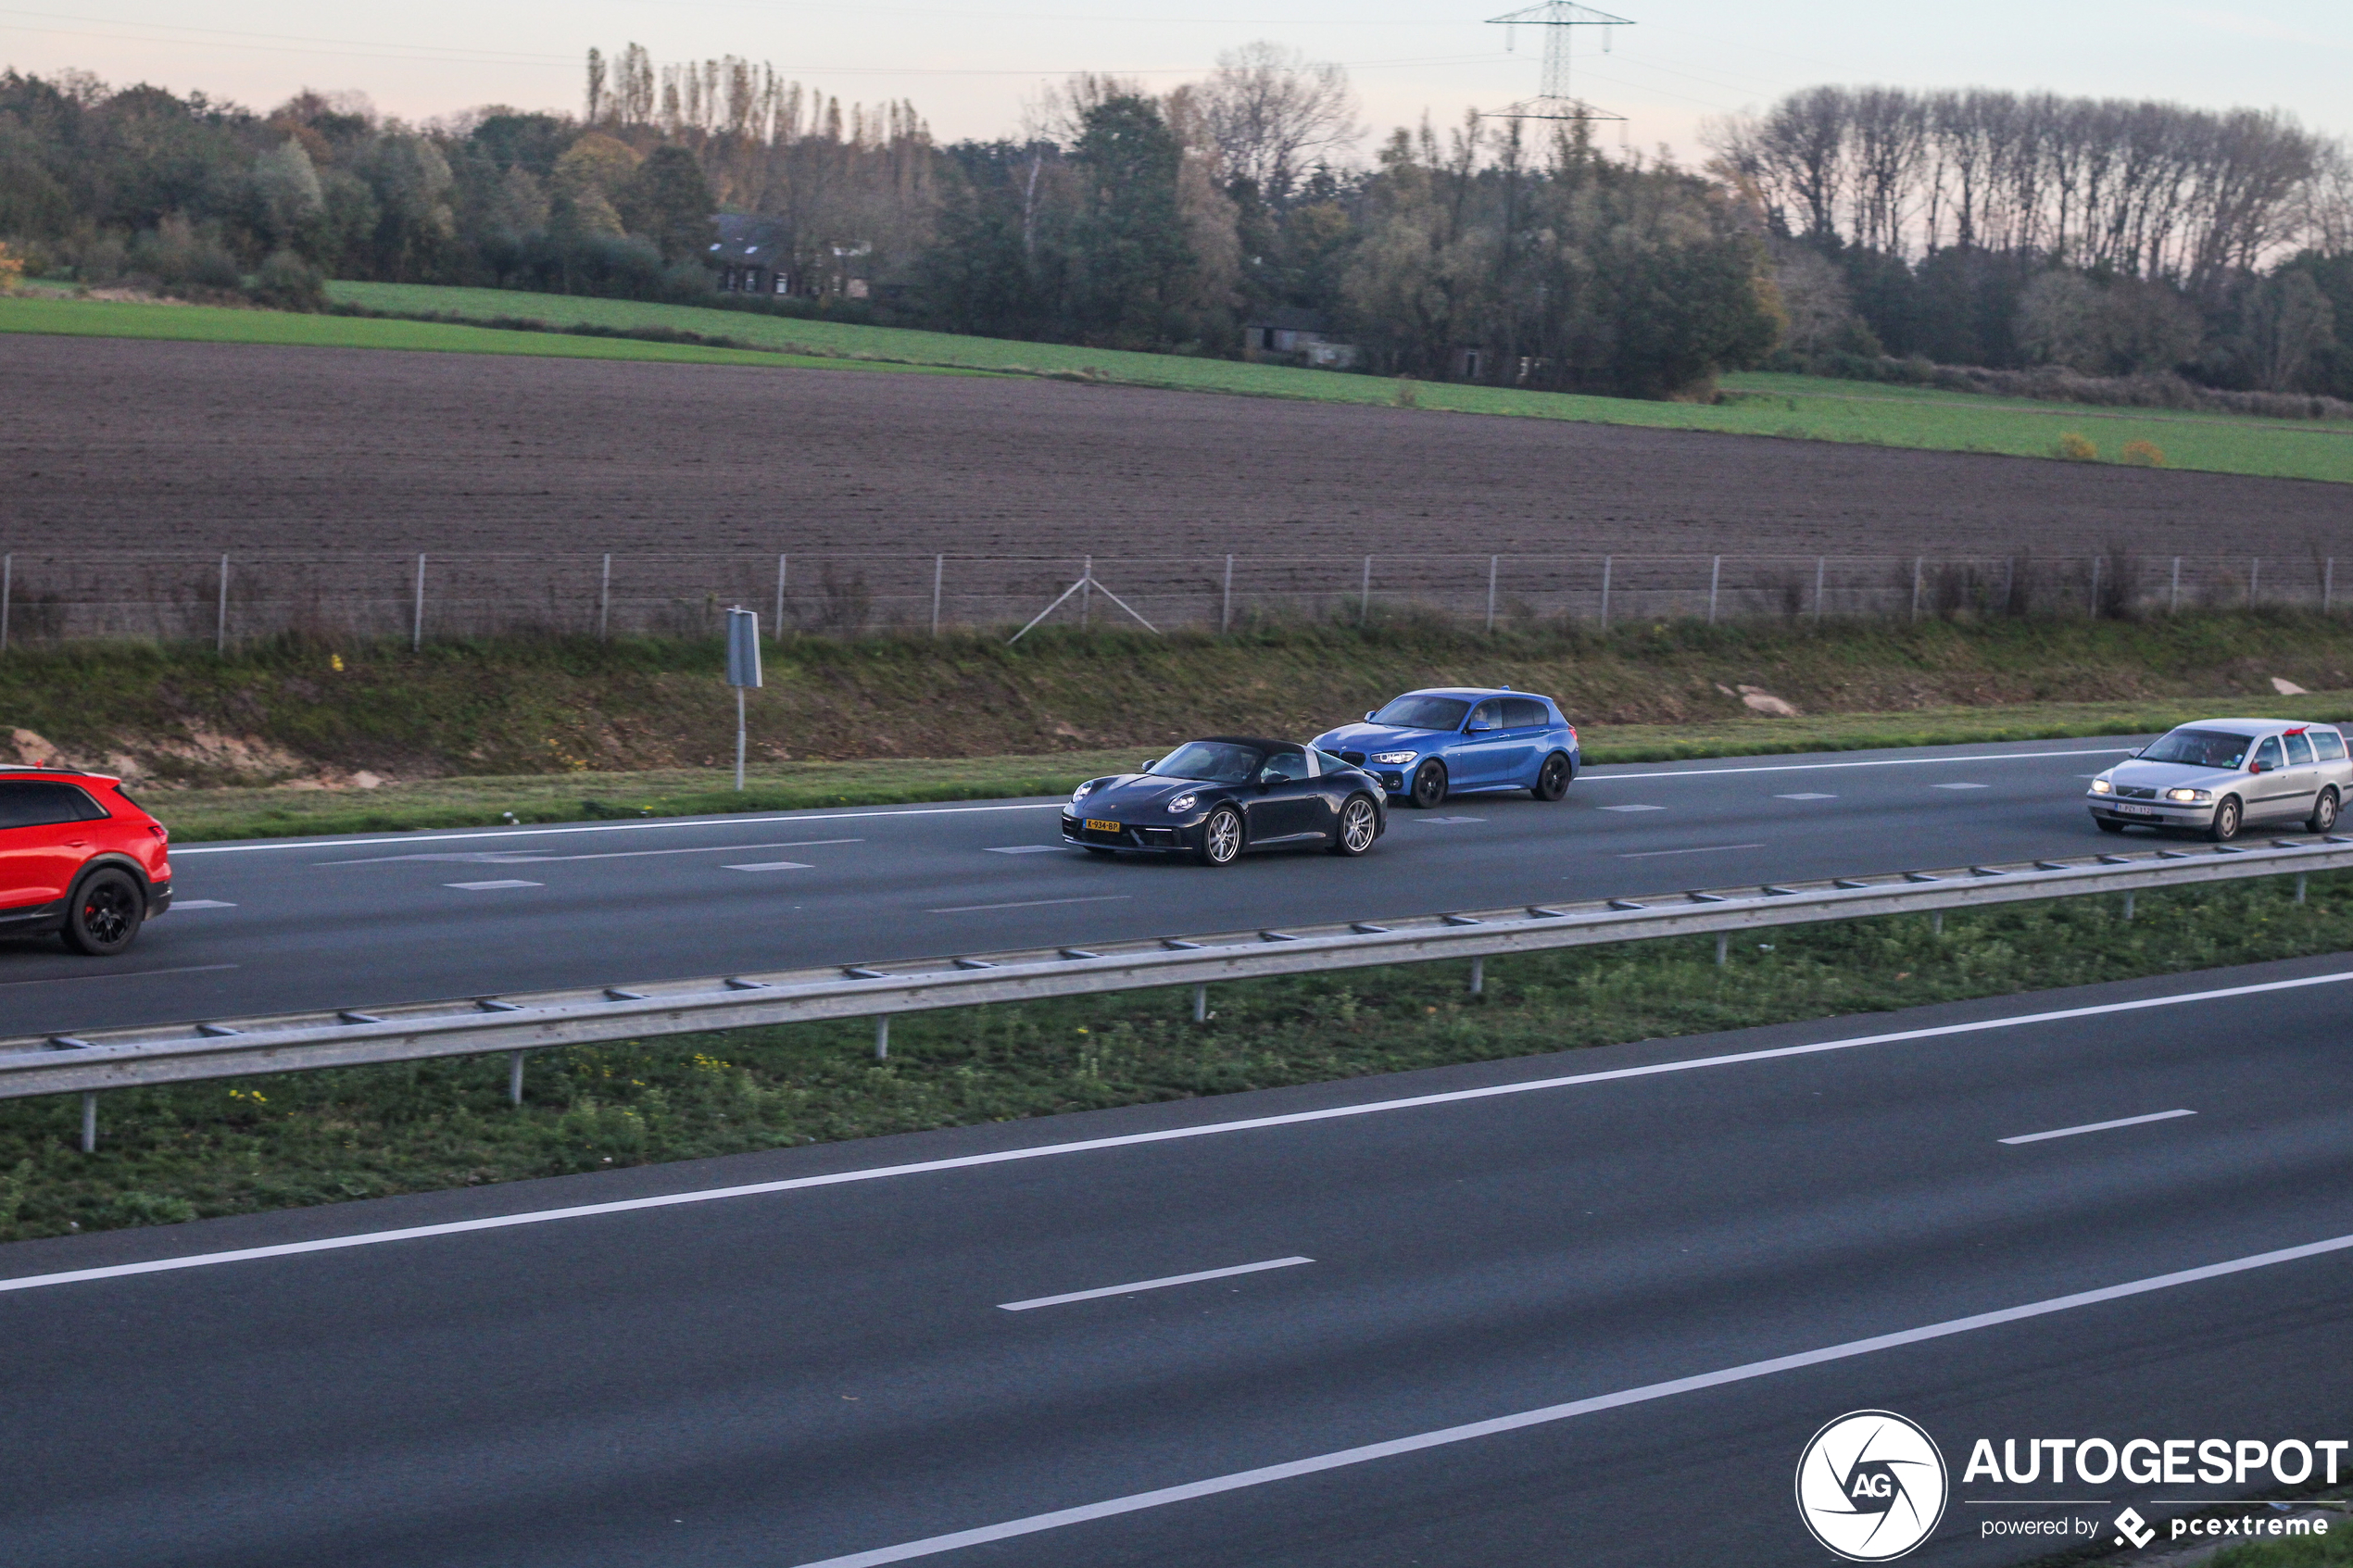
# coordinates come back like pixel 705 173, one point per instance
pixel 2218 775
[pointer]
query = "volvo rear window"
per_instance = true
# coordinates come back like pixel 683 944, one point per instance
pixel 32 803
pixel 2299 750
pixel 2199 748
pixel 1424 713
pixel 2330 744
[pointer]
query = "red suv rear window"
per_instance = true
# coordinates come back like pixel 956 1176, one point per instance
pixel 27 803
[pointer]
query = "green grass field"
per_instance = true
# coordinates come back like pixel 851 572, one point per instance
pixel 208 323
pixel 1800 407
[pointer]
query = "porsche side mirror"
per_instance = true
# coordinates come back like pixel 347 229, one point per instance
pixel 1368 714
pixel 1148 764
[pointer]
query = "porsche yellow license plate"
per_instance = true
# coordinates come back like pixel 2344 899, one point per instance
pixel 1096 824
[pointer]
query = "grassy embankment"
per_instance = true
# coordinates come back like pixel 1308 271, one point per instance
pixel 1793 406
pixel 276 1142
pixel 1796 406
pixel 555 728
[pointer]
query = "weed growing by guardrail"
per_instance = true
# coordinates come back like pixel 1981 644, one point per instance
pixel 287 1141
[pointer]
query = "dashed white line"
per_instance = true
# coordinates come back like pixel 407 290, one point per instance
pixel 1031 904
pixel 1806 794
pixel 1633 807
pixel 1699 849
pixel 1162 1283
pixel 769 866
pixel 201 903
pixel 491 886
pixel 1960 786
pixel 1026 849
pixel 2098 1126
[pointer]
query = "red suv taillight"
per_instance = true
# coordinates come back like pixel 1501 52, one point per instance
pixel 157 830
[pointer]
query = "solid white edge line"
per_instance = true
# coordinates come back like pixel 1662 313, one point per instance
pixel 1131 1140
pixel 934 1545
pixel 2097 1126
pixel 1161 1284
pixel 1875 762
pixel 639 826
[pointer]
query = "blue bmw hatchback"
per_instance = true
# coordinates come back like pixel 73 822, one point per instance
pixel 1456 740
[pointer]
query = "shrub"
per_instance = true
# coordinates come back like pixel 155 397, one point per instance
pixel 2145 454
pixel 288 283
pixel 1407 394
pixel 2078 448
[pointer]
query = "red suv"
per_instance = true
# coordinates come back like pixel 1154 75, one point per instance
pixel 78 857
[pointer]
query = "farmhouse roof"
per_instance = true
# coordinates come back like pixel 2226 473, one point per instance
pixel 746 240
pixel 1289 319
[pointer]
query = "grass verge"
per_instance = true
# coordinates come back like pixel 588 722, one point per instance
pixel 192 1150
pixel 1795 407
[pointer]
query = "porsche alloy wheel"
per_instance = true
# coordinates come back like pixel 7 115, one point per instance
pixel 1552 780
pixel 1359 825
pixel 1220 837
pixel 1429 788
pixel 103 914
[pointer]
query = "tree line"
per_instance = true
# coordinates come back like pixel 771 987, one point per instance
pixel 1838 228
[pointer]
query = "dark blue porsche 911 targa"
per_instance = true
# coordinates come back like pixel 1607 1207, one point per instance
pixel 1456 740
pixel 1215 797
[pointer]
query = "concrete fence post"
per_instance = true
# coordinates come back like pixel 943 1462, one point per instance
pixel 1821 565
pixel 778 624
pixel 2093 608
pixel 939 576
pixel 1364 593
pixel 1087 592
pixel 1605 566
pixel 416 624
pixel 1226 602
pixel 2174 607
pixel 2254 576
pixel 2009 584
pixel 1491 593
pixel 1715 578
pixel 2327 598
pixel 220 614
pixel 604 602
pixel 1917 567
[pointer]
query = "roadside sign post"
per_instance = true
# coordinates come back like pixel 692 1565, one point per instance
pixel 743 670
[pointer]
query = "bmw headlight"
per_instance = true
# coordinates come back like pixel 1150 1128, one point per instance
pixel 2188 797
pixel 1394 758
pixel 1082 792
pixel 2101 786
pixel 1182 804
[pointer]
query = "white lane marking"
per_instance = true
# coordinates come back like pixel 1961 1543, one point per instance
pixel 491 886
pixel 647 824
pixel 1633 807
pixel 200 904
pixel 1161 1284
pixel 119 975
pixel 1875 762
pixel 769 866
pixel 2098 1126
pixel 1031 904
pixel 533 858
pixel 1450 822
pixel 1806 794
pixel 1026 849
pixel 1495 1427
pixel 1960 786
pixel 1701 849
pixel 1169 1135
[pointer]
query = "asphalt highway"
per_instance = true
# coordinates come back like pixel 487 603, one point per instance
pixel 283 925
pixel 944 1344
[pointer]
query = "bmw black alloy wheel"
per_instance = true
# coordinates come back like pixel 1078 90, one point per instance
pixel 105 914
pixel 1552 780
pixel 1220 837
pixel 1428 788
pixel 1359 825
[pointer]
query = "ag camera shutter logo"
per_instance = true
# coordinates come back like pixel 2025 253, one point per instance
pixel 1871 1486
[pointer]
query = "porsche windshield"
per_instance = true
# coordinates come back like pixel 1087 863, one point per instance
pixel 1211 761
pixel 2199 748
pixel 1424 713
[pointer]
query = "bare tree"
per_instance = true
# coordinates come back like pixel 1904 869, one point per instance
pixel 1271 111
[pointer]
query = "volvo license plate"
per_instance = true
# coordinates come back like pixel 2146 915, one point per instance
pixel 1096 824
pixel 2128 811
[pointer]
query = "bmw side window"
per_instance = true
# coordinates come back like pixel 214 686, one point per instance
pixel 32 803
pixel 2300 751
pixel 2330 744
pixel 2267 755
pixel 1524 713
pixel 1487 716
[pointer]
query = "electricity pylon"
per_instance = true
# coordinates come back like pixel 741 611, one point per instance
pixel 1555 101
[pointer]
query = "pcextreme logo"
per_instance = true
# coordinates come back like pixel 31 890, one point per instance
pixel 1871 1486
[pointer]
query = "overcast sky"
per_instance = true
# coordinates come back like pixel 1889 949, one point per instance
pixel 968 67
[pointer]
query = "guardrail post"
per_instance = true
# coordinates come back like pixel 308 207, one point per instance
pixel 2093 608
pixel 882 1037
pixel 1364 593
pixel 1605 566
pixel 1916 587
pixel 1821 564
pixel 779 622
pixel 1723 948
pixel 2128 906
pixel 514 1077
pixel 1936 923
pixel 1715 578
pixel 1226 604
pixel 1087 592
pixel 2175 607
pixel 221 615
pixel 2254 576
pixel 1200 1004
pixel 2328 596
pixel 2299 887
pixel 89 1122
pixel 417 626
pixel 604 603
pixel 1491 594
pixel 938 575
pixel 1478 977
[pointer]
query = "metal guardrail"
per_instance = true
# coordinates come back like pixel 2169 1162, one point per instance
pixel 110 1058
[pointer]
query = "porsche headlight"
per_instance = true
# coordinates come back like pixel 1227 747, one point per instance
pixel 1394 758
pixel 2101 786
pixel 2188 797
pixel 1082 792
pixel 1183 804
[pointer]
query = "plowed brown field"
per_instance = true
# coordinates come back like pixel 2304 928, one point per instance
pixel 118 445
